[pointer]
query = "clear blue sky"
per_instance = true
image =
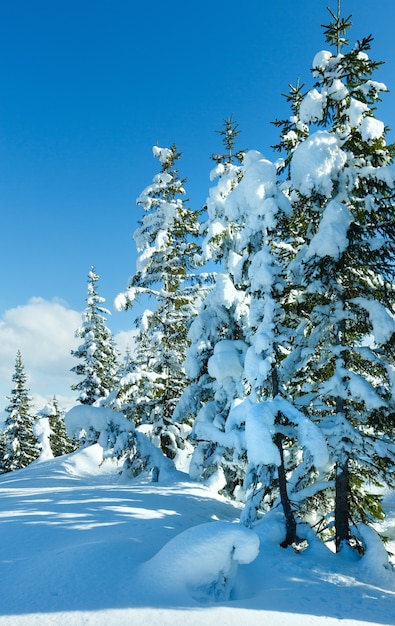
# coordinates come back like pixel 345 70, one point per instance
pixel 89 86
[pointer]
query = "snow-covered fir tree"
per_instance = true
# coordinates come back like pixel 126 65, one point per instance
pixel 218 235
pixel 98 355
pixel 60 441
pixel 269 431
pixel 125 397
pixel 247 323
pixel 216 355
pixel 342 188
pixel 166 241
pixel 19 440
pixel 267 370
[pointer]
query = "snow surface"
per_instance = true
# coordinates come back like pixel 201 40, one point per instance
pixel 80 546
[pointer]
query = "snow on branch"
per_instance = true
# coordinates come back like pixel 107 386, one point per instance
pixel 383 323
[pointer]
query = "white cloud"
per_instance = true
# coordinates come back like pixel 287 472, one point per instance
pixel 44 332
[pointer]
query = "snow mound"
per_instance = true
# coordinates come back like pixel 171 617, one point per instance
pixel 375 564
pixel 89 461
pixel 200 562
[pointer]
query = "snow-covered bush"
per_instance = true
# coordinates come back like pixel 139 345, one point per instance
pixel 119 439
pixel 109 428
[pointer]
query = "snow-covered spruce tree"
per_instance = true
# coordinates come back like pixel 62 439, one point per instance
pixel 60 441
pixel 216 232
pixel 216 355
pixel 125 397
pixel 342 187
pixel 246 427
pixel 166 240
pixel 272 434
pixel 20 442
pixel 98 356
pixel 134 395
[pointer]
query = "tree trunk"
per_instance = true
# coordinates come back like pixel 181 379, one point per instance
pixel 342 486
pixel 342 506
pixel 290 522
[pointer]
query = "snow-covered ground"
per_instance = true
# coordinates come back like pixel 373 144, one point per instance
pixel 79 546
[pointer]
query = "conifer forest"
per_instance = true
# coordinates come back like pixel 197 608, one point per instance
pixel 263 362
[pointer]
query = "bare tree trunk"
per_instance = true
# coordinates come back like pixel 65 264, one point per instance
pixel 342 506
pixel 290 522
pixel 342 475
pixel 342 488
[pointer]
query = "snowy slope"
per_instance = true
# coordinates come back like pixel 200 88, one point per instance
pixel 78 546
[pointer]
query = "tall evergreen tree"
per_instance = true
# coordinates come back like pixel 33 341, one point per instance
pixel 343 194
pixel 273 431
pixel 217 334
pixel 98 356
pixel 213 320
pixel 166 272
pixel 60 441
pixel 125 397
pixel 20 442
pixel 248 428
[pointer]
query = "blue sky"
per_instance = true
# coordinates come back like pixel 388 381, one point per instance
pixel 89 86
